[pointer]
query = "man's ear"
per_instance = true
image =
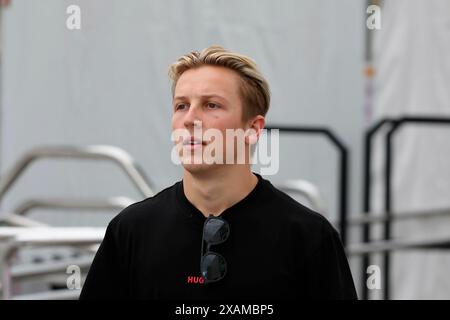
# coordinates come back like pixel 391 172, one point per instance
pixel 254 131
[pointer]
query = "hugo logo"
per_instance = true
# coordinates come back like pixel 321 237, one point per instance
pixel 192 279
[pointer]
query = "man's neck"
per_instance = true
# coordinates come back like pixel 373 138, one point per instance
pixel 214 192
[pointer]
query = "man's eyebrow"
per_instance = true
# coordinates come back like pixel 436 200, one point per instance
pixel 203 96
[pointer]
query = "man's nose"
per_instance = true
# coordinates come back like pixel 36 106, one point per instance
pixel 193 117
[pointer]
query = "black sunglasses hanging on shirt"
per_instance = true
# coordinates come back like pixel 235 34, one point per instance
pixel 213 266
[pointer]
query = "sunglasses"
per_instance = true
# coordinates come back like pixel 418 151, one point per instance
pixel 213 266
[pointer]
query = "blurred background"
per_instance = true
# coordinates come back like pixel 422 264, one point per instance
pixel 346 76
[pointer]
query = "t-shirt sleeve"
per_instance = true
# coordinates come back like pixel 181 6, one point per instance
pixel 329 275
pixel 105 279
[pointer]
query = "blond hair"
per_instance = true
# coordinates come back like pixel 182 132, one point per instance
pixel 254 90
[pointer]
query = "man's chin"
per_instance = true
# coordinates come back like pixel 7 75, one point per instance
pixel 196 168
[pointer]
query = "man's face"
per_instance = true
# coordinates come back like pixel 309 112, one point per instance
pixel 208 95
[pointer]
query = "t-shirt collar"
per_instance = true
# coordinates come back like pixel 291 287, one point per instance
pixel 190 211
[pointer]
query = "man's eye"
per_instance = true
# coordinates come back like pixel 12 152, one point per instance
pixel 212 105
pixel 180 106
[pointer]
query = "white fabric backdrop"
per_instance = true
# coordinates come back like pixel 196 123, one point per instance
pixel 412 57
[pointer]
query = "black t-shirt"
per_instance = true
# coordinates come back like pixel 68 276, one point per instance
pixel 276 249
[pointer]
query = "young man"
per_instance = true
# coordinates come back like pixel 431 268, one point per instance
pixel 223 232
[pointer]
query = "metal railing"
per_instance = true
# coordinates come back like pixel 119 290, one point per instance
pixel 343 181
pixel 112 203
pixel 11 238
pixel 98 152
pixel 395 125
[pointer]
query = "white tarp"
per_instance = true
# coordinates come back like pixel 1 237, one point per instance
pixel 412 58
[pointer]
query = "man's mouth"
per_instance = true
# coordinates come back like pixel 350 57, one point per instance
pixel 194 142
